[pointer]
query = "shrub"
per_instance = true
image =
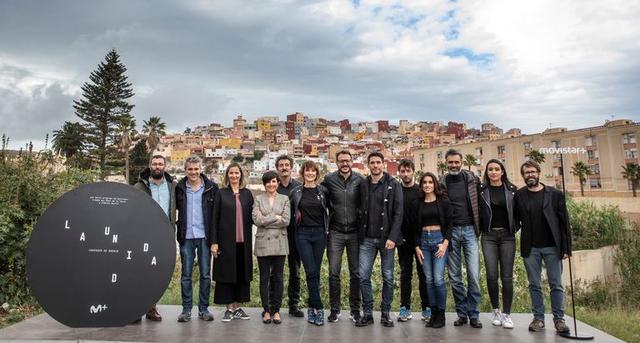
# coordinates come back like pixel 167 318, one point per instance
pixel 28 184
pixel 594 227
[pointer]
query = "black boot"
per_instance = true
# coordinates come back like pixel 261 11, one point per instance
pixel 440 321
pixel 433 318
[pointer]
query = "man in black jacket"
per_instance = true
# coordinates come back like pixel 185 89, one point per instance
pixel 159 185
pixel 344 201
pixel 545 236
pixel 379 232
pixel 406 250
pixel 462 187
pixel 194 201
pixel 284 165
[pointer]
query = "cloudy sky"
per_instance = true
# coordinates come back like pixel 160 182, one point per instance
pixel 527 64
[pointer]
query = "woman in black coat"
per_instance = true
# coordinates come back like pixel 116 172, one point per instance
pixel 231 244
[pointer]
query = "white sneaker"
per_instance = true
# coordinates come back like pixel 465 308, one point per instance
pixel 507 323
pixel 497 317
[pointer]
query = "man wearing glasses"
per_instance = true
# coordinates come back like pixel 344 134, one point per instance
pixel 545 236
pixel 344 202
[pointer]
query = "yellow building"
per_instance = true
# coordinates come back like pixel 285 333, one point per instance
pixel 605 149
pixel 263 125
pixel 230 143
pixel 178 156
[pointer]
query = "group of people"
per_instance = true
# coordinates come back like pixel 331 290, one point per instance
pixel 436 222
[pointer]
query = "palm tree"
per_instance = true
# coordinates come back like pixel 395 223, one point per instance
pixel 69 140
pixel 581 170
pixel 536 156
pixel 442 168
pixel 470 161
pixel 153 128
pixel 631 172
pixel 126 129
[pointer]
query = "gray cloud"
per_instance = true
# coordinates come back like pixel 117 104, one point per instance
pixel 198 62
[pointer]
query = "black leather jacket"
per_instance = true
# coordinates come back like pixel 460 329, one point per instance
pixel 296 197
pixel 485 207
pixel 392 210
pixel 344 201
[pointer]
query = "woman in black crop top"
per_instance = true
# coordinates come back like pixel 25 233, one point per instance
pixel 498 238
pixel 432 215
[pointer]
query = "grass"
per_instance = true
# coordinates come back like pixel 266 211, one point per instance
pixel 617 321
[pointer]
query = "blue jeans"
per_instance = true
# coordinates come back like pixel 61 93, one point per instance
pixel 310 243
pixel 369 248
pixel 464 241
pixel 188 251
pixel 434 269
pixel 553 263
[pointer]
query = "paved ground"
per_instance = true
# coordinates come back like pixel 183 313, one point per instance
pixel 44 328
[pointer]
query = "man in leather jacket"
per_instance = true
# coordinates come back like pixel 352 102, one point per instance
pixel 344 202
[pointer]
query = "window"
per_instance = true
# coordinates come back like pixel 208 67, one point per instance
pixel 501 150
pixel 592 154
pixel 478 151
pixel 422 157
pixel 595 168
pixel 526 146
pixel 555 144
pixel 439 155
pixel 594 183
pixel 630 154
pixel 629 138
pixel 590 140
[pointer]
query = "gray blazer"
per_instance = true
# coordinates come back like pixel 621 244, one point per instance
pixel 271 236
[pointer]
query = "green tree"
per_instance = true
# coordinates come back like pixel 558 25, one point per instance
pixel 104 101
pixel 442 168
pixel 126 130
pixel 69 140
pixel 581 170
pixel 536 156
pixel 138 159
pixel 238 158
pixel 153 129
pixel 470 161
pixel 631 172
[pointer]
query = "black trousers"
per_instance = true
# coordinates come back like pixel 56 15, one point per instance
pixel 499 250
pixel 406 256
pixel 271 282
pixel 336 244
pixel 294 262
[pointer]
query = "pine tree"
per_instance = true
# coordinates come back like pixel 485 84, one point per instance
pixel 104 102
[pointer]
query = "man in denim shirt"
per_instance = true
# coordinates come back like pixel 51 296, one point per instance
pixel 161 187
pixel 194 200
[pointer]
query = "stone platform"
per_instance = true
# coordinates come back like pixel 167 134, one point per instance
pixel 43 328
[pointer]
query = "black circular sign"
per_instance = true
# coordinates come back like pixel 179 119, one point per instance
pixel 101 255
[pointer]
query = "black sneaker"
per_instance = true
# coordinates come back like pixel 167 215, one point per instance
pixel 228 316
pixel 240 314
pixel 355 315
pixel 365 320
pixel 460 321
pixel 205 315
pixel 475 323
pixel 385 320
pixel 295 311
pixel 334 316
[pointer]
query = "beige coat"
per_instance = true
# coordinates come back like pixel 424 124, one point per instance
pixel 272 222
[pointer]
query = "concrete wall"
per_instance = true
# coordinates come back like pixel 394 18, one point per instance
pixel 629 205
pixel 590 265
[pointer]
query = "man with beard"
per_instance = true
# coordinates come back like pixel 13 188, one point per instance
pixel 344 201
pixel 284 164
pixel 161 187
pixel 406 251
pixel 462 187
pixel 545 236
pixel 379 231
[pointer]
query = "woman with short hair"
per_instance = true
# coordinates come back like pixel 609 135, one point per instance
pixel 271 213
